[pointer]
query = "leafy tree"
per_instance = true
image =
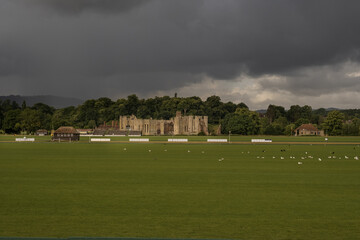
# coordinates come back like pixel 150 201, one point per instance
pixel 301 121
pixel 214 109
pixel 65 117
pixel 195 106
pixel 273 112
pixel 242 105
pixel 168 108
pixel 316 119
pixel 184 105
pixel 333 123
pixel 15 105
pixel 132 104
pixel 23 105
pixel 320 111
pixel 306 112
pixel 119 108
pixel 281 121
pixel 46 109
pixel 143 112
pixel 264 123
pixel 104 110
pixel 91 124
pixel 294 113
pixel 7 106
pixel 289 129
pixel 84 113
pixel 11 118
pixel 242 121
pixel 230 107
pixel 1 114
pixel 31 120
pixel 352 127
pixel 274 129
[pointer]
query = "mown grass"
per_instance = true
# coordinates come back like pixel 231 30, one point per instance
pixel 233 138
pixel 179 191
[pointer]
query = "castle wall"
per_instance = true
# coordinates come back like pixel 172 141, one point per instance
pixel 179 125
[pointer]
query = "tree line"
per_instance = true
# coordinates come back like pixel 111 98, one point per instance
pixel 229 116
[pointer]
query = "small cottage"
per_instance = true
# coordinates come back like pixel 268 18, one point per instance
pixel 308 130
pixel 66 134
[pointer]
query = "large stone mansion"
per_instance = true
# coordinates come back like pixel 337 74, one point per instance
pixel 178 125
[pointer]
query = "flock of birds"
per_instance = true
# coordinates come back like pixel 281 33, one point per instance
pixel 307 155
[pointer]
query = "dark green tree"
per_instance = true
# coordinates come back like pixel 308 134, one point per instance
pixel 352 127
pixel 333 123
pixel 294 113
pixel 132 104
pixel 12 121
pixel 214 109
pixel 23 105
pixel 243 122
pixel 273 112
pixel 301 121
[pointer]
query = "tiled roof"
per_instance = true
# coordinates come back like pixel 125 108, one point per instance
pixel 66 130
pixel 308 127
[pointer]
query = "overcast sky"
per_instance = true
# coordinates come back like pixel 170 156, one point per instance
pixel 259 52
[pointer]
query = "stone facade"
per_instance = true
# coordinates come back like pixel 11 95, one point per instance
pixel 179 125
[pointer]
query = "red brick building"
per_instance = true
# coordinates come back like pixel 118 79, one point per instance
pixel 308 130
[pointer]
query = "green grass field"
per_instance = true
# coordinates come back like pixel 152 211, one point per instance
pixel 233 138
pixel 179 190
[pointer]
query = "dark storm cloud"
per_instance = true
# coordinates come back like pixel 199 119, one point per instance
pixel 79 6
pixel 115 47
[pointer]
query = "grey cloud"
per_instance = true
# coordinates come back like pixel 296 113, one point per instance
pixel 317 80
pixel 168 44
pixel 79 6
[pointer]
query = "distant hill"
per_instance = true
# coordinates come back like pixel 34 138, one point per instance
pixel 333 109
pixel 54 101
pixel 262 111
